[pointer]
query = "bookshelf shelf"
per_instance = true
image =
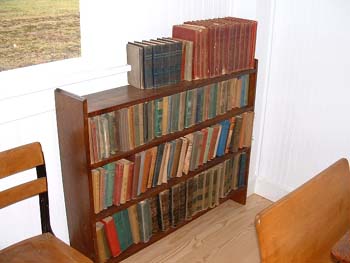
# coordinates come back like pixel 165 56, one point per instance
pixel 173 136
pixel 73 113
pixel 135 248
pixel 156 190
pixel 122 97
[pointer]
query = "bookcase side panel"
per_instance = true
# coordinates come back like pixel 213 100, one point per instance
pixel 71 112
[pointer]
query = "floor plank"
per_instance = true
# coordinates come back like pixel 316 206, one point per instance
pixel 222 235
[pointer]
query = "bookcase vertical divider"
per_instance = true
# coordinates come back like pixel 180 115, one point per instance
pixel 71 114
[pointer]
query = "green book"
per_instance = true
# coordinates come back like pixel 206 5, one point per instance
pixel 112 132
pixel 213 100
pixel 127 226
pixel 188 108
pixel 158 117
pixel 110 175
pixel 123 230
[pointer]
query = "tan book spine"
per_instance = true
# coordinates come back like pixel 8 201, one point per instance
pixel 124 183
pixel 96 189
pixel 134 224
pixel 186 167
pixel 243 130
pixel 146 170
pixel 165 115
pixel 154 151
pixel 217 142
pixel 229 136
pixel 102 244
pixel 182 157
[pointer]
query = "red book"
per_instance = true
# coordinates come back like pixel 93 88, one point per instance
pixel 130 181
pixel 136 174
pixel 191 33
pixel 118 182
pixel 112 236
pixel 204 144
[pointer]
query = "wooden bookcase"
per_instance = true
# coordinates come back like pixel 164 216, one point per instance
pixel 72 121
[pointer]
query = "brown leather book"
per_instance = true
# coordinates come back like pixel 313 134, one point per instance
pixel 146 170
pixel 176 157
pixel 154 151
pixel 102 244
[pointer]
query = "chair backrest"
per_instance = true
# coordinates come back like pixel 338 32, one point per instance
pixel 305 224
pixel 18 160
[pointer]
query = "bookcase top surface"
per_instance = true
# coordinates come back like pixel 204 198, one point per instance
pixel 125 96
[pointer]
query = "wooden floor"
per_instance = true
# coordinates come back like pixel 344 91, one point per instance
pixel 224 234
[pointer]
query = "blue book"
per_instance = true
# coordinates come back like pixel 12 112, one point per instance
pixel 244 90
pixel 158 164
pixel 199 106
pixel 242 168
pixel 225 125
pixel 171 159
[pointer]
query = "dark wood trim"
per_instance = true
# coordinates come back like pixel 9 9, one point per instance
pixel 122 97
pixel 44 202
pixel 173 136
pixel 156 190
pixel 70 113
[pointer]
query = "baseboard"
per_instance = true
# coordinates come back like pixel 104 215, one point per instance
pixel 270 190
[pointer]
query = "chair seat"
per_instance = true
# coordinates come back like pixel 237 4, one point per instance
pixel 44 248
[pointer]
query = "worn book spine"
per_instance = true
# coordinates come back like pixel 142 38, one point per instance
pixel 154 152
pixel 134 223
pixel 154 213
pixel 189 198
pixel 134 57
pixel 112 236
pixel 164 209
pixel 104 252
pixel 182 156
pixel 110 174
pixel 95 175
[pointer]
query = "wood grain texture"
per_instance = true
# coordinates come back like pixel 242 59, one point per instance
pixel 304 225
pixel 44 248
pixel 23 191
pixel 224 234
pixel 20 159
pixel 71 125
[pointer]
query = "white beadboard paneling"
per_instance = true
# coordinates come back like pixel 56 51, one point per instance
pixel 307 106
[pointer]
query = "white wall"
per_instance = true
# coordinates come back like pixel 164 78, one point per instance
pixel 27 94
pixel 306 91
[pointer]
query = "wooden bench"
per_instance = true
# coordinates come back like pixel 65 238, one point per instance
pixel 304 225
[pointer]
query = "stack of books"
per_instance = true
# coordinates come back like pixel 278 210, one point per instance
pixel 220 46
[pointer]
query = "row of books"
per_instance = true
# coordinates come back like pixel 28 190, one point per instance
pixel 155 63
pixel 169 208
pixel 118 182
pixel 136 125
pixel 220 45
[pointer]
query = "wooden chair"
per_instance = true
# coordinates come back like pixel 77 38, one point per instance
pixel 304 225
pixel 45 247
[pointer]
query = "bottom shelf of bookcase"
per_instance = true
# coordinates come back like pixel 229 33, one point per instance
pixel 239 195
